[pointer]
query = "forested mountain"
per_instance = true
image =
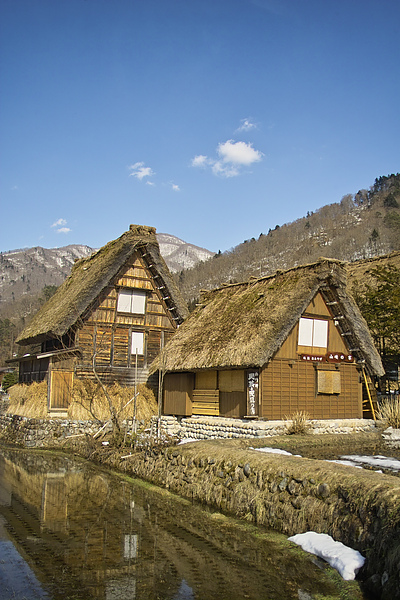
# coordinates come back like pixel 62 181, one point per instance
pixel 360 226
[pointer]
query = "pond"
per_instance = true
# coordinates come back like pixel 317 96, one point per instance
pixel 73 531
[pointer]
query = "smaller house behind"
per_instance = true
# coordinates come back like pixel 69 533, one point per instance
pixel 271 347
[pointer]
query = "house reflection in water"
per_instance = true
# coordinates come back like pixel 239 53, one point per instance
pixel 76 525
pixel 88 534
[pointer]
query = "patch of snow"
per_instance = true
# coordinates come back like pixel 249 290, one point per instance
pixel 342 558
pixel 347 463
pixel 187 441
pixel 380 461
pixel 274 451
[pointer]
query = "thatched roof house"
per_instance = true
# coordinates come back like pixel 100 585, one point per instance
pixel 297 337
pixel 115 305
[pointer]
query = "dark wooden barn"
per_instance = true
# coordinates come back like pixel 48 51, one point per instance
pixel 271 347
pixel 106 319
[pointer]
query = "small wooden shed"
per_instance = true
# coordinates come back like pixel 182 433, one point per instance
pixel 270 347
pixel 108 316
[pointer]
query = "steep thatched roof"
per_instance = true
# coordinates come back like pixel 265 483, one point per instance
pixel 90 276
pixel 243 325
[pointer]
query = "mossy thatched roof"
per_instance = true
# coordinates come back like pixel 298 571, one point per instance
pixel 90 276
pixel 243 325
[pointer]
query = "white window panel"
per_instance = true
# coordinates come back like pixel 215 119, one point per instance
pixel 137 342
pixel 305 332
pixel 124 301
pixel 132 301
pixel 138 302
pixel 320 333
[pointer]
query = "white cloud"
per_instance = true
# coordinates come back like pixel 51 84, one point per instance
pixel 246 125
pixel 140 171
pixel 63 230
pixel 150 183
pixel 238 153
pixel 175 187
pixel 59 223
pixel 233 156
pixel 200 161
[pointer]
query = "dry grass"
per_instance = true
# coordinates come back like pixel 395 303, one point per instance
pixel 88 401
pixel 299 422
pixel 389 411
pixel 28 400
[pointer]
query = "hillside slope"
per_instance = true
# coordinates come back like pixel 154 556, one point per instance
pixel 358 227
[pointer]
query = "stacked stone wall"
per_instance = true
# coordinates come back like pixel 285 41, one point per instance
pixel 203 428
pixel 42 433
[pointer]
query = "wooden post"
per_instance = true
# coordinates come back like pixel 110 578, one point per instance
pixel 160 381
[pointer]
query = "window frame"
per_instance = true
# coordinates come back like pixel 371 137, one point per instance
pixel 308 326
pixel 134 335
pixel 127 296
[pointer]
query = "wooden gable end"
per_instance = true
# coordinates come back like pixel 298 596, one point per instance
pixel 110 329
pixel 318 310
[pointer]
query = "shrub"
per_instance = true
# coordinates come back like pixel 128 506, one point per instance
pixel 9 379
pixel 389 411
pixel 298 423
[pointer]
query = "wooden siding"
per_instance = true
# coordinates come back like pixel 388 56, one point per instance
pixel 206 380
pixel 108 333
pixel 232 404
pixel 61 383
pixel 177 392
pixel 231 381
pixel 287 387
pixel 205 402
pixel 336 343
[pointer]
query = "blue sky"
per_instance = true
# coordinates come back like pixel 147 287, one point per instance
pixel 212 120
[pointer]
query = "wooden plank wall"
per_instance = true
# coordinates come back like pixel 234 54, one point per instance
pixel 178 393
pixel 109 332
pixel 287 387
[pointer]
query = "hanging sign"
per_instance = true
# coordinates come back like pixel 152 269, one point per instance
pixel 339 357
pixel 332 357
pixel 252 393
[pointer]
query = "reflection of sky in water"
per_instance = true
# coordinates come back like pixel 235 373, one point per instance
pixel 16 579
pixel 184 593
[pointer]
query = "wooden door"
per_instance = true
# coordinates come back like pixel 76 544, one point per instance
pixel 61 389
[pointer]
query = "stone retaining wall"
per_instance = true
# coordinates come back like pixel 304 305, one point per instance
pixel 200 428
pixel 41 433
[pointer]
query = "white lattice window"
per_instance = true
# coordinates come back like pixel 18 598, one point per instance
pixel 137 343
pixel 132 301
pixel 313 332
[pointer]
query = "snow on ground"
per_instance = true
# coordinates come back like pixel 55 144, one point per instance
pixel 347 463
pixel 273 451
pixel 342 558
pixel 377 461
pixel 358 461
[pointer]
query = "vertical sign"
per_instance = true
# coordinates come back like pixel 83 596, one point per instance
pixel 252 393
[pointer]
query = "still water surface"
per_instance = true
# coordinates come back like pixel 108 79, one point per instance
pixel 72 531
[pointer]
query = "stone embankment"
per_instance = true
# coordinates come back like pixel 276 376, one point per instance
pixel 43 433
pixel 287 493
pixel 204 428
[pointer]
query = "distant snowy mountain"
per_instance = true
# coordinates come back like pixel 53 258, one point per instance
pixel 179 254
pixel 27 271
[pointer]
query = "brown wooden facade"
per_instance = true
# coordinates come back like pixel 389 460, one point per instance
pixel 108 320
pixel 322 380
